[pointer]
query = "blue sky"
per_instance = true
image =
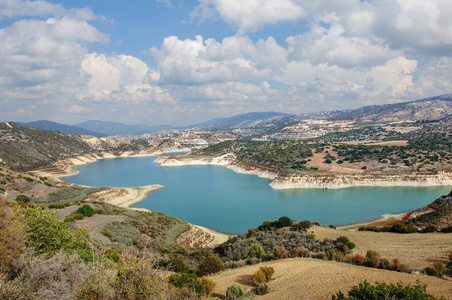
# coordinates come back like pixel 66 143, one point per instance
pixel 182 62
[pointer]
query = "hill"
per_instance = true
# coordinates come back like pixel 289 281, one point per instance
pixel 67 129
pixel 438 213
pixel 115 128
pixel 248 120
pixel 25 148
pixel 428 109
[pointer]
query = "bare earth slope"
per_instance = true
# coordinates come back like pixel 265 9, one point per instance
pixel 302 278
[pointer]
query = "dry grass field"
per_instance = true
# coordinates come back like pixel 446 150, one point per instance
pixel 416 250
pixel 303 278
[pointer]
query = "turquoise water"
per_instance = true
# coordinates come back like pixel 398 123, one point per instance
pixel 220 199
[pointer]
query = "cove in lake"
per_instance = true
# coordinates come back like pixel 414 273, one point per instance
pixel 220 199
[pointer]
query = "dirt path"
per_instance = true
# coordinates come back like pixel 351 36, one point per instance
pixel 417 250
pixel 302 278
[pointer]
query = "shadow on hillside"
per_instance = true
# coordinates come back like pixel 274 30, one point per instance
pixel 245 280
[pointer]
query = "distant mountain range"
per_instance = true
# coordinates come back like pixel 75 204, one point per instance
pixel 115 128
pixel 428 109
pixel 248 120
pixel 96 128
pixel 66 129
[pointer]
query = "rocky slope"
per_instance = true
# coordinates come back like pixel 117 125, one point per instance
pixel 437 213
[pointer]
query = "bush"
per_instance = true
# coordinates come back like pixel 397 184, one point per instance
pixel 302 225
pixel 22 198
pixel 12 236
pixel 268 271
pixel 256 250
pixel 386 291
pixel 69 220
pixel 137 278
pixel 78 217
pixel 210 265
pixel 262 289
pixel 430 228
pixel 47 235
pixel 174 264
pixel 85 210
pixel 186 280
pixel 373 258
pixel 57 206
pixel 208 284
pixel 259 277
pixel 279 252
pixel 112 255
pixel 440 268
pixel 234 292
pixel 285 222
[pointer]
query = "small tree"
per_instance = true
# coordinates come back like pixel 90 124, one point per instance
pixel 285 222
pixel 85 210
pixel 211 264
pixel 373 258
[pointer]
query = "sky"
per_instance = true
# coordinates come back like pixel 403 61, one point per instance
pixel 182 62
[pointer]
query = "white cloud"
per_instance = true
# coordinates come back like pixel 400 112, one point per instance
pixel 15 8
pixel 120 79
pixel 235 58
pixel 250 15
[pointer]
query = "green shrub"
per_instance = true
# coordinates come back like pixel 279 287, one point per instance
pixel 386 291
pixel 57 206
pixel 78 217
pixel 210 265
pixel 47 235
pixel 22 198
pixel 262 288
pixel 234 292
pixel 174 264
pixel 112 255
pixel 302 225
pixel 284 222
pixel 186 280
pixel 69 220
pixel 85 210
pixel 256 250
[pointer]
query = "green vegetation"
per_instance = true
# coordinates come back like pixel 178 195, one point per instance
pixel 47 235
pixel 85 210
pixel 381 291
pixel 234 292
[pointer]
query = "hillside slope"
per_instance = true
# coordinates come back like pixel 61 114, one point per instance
pixel 24 148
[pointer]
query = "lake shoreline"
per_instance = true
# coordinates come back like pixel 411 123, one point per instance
pixel 132 196
pixel 327 181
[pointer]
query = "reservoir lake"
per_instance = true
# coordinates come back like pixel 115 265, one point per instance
pixel 220 199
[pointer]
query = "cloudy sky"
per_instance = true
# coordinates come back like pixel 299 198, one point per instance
pixel 181 62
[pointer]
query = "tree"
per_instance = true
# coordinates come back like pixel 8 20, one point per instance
pixel 285 221
pixel 210 265
pixel 85 210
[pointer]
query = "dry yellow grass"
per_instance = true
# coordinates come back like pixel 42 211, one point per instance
pixel 302 278
pixel 416 250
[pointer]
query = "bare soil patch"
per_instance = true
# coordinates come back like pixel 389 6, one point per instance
pixel 302 278
pixel 416 250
